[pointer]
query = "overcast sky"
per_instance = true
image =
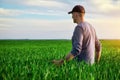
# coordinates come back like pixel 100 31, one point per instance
pixel 48 19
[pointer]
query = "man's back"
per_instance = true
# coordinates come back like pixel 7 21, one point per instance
pixel 84 40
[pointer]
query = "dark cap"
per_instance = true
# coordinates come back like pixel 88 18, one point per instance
pixel 77 8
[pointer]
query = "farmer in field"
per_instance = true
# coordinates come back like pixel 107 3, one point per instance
pixel 85 44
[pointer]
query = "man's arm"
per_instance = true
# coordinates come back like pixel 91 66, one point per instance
pixel 69 57
pixel 97 56
pixel 97 49
pixel 76 46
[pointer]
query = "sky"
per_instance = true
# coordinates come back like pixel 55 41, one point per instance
pixel 49 19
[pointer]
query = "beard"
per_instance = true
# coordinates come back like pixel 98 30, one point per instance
pixel 74 20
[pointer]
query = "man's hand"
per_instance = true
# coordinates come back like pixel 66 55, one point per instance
pixel 58 62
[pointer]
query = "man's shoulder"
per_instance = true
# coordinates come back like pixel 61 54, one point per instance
pixel 83 25
pixel 87 24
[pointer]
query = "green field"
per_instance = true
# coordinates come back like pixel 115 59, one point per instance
pixel 30 60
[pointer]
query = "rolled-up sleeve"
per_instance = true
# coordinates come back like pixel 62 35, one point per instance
pixel 77 40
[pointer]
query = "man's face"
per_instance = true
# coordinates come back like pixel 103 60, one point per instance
pixel 75 17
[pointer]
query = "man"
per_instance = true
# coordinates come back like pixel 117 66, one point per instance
pixel 85 44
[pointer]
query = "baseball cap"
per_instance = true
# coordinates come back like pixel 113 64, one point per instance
pixel 77 8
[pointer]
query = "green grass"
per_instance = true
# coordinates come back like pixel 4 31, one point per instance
pixel 30 60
